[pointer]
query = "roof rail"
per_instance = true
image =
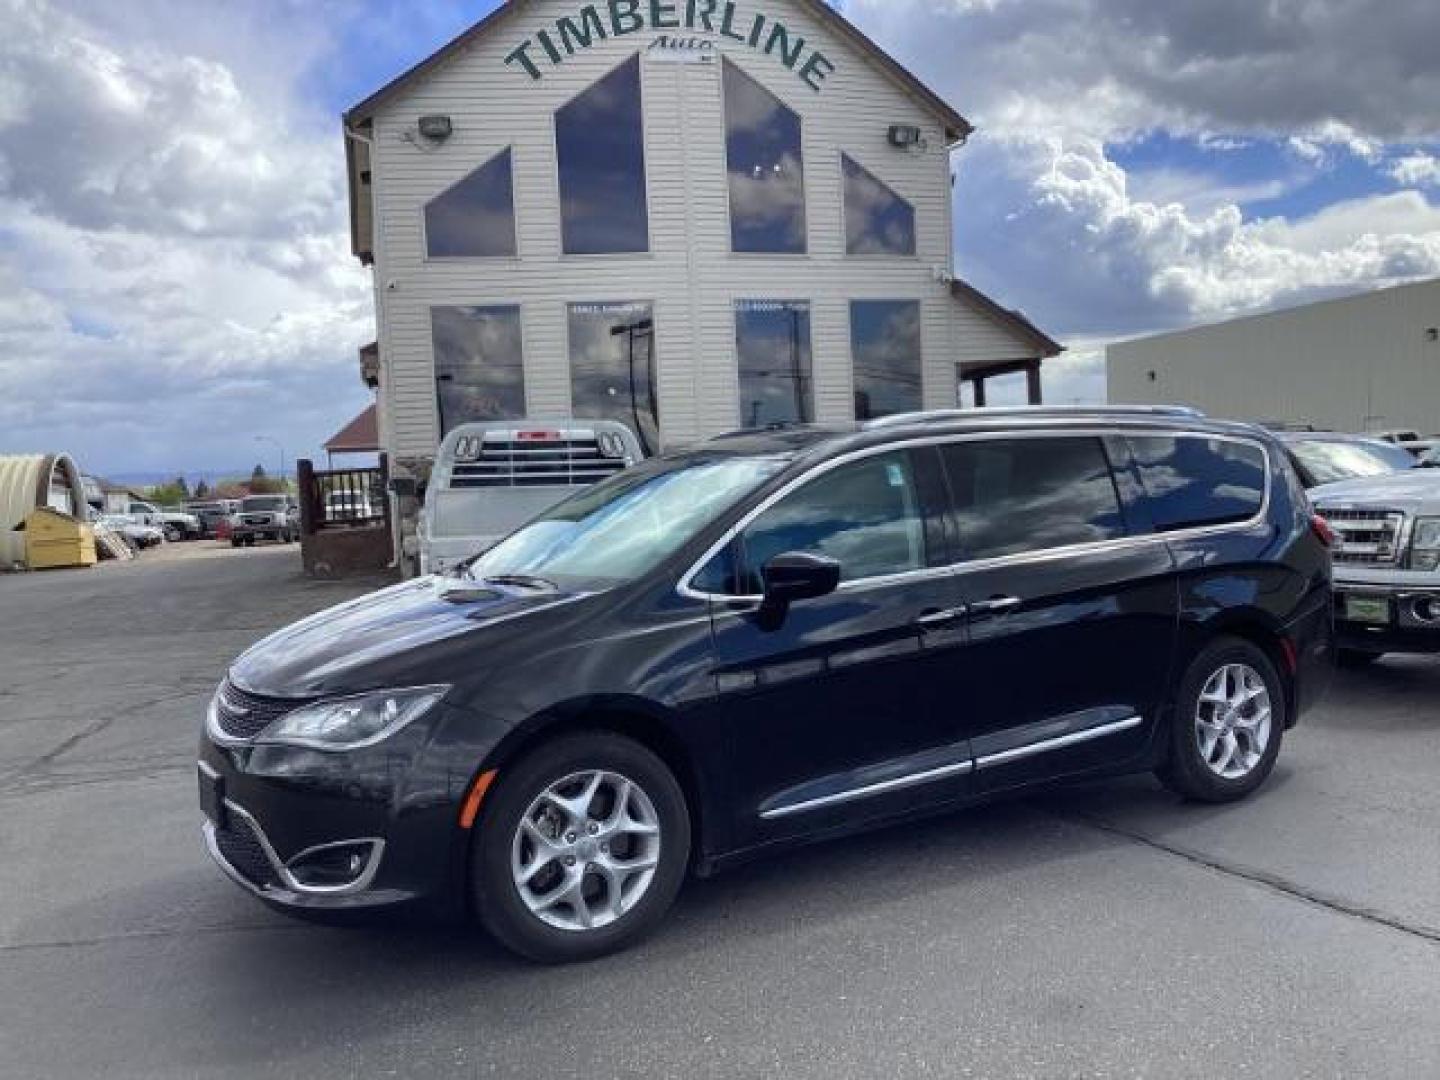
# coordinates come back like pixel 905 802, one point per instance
pixel 939 415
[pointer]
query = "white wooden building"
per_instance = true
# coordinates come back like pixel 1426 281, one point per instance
pixel 1360 363
pixel 692 216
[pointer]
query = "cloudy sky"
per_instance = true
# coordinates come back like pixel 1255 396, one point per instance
pixel 174 267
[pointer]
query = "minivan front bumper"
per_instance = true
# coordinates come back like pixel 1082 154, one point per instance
pixel 382 826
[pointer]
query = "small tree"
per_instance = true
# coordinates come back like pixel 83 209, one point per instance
pixel 202 490
pixel 259 475
pixel 182 487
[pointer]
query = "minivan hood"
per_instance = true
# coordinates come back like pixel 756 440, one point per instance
pixel 384 638
pixel 1412 490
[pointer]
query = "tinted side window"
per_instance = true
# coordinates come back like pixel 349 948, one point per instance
pixel 866 515
pixel 1194 481
pixel 1019 495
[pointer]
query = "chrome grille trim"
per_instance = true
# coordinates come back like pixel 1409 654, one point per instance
pixel 1366 537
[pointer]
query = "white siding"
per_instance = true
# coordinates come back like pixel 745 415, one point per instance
pixel 1362 363
pixel 690 273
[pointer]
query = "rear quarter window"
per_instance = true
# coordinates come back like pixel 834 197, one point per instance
pixel 1014 496
pixel 1194 481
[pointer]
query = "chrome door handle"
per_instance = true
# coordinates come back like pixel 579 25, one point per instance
pixel 932 619
pixel 996 605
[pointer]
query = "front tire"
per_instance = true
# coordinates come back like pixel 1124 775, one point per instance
pixel 1227 724
pixel 581 848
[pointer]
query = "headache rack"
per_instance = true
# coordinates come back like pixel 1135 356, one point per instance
pixel 530 459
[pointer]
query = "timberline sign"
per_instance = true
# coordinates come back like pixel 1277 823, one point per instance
pixel 620 18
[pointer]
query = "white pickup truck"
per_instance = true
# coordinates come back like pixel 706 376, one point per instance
pixel 491 478
pixel 175 524
pixel 1387 562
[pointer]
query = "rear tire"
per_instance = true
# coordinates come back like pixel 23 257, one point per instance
pixel 1227 724
pixel 580 848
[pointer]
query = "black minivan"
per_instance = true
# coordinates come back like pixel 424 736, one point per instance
pixel 772 638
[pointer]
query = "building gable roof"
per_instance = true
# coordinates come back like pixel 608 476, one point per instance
pixel 956 126
pixel 359 436
pixel 1014 321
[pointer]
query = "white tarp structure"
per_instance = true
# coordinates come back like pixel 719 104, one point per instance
pixel 30 481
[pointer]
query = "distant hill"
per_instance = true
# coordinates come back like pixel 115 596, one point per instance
pixel 192 476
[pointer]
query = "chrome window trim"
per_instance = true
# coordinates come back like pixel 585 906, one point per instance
pixel 1058 743
pixel 685 589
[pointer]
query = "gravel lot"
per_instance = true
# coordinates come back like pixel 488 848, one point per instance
pixel 1105 931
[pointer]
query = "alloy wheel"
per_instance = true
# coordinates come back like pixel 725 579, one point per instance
pixel 586 850
pixel 1233 720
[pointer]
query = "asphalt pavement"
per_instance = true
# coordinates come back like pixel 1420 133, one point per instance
pixel 1104 931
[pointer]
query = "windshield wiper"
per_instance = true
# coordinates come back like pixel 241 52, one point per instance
pixel 522 581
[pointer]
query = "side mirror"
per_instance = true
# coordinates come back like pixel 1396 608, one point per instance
pixel 798 576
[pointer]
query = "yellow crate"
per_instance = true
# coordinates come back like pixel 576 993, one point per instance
pixel 54 540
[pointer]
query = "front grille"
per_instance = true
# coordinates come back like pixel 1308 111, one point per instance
pixel 574 462
pixel 241 848
pixel 243 715
pixel 1366 537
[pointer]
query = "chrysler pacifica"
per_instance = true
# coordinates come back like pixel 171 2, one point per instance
pixel 772 638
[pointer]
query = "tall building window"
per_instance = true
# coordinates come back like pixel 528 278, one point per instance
pixel 479 366
pixel 612 366
pixel 766 168
pixel 877 221
pixel 600 140
pixel 885 348
pixel 772 339
pixel 475 217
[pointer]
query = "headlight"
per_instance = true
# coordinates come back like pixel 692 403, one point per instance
pixel 352 723
pixel 1425 545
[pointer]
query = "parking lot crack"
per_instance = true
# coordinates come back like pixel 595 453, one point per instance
pixel 151 935
pixel 1263 878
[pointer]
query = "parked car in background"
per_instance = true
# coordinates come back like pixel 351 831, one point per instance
pixel 1431 460
pixel 175 524
pixel 768 639
pixel 265 517
pixel 1387 563
pixel 490 478
pixel 137 535
pixel 1411 440
pixel 1326 457
pixel 211 514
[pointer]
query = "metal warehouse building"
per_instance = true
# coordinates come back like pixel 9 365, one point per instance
pixel 689 216
pixel 1362 363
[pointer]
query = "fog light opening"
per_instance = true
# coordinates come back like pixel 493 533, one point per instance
pixel 1426 609
pixel 336 866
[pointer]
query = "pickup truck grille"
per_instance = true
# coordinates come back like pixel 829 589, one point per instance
pixel 563 463
pixel 1366 537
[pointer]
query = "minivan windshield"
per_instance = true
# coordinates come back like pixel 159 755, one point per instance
pixel 268 502
pixel 1332 460
pixel 624 527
